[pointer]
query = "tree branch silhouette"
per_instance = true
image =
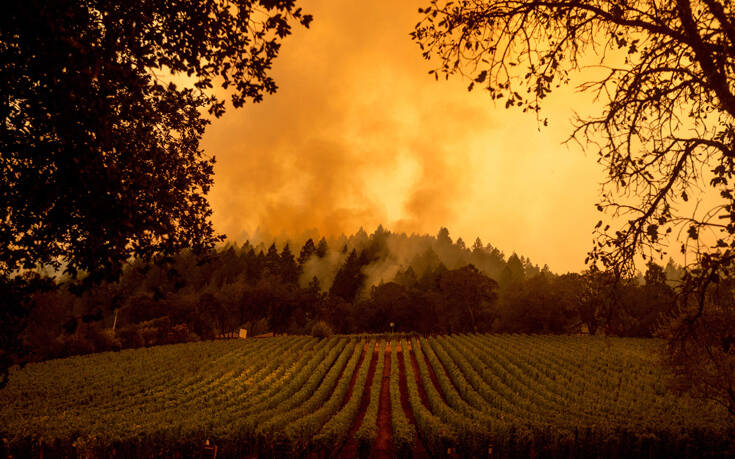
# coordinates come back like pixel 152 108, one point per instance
pixel 667 124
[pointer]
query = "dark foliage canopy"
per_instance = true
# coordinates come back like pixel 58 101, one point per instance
pixel 367 289
pixel 103 105
pixel 99 148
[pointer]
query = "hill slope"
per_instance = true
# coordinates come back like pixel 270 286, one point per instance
pixel 462 394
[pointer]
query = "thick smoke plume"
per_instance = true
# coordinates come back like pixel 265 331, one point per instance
pixel 359 135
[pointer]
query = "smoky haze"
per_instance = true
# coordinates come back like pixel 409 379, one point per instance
pixel 359 135
pixel 387 254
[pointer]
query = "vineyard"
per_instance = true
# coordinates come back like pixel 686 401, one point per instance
pixel 348 396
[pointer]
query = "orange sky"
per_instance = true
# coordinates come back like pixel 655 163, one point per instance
pixel 359 134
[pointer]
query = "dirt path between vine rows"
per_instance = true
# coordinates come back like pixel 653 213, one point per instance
pixel 422 391
pixel 384 443
pixel 420 384
pixel 444 369
pixel 434 379
pixel 419 450
pixel 349 449
pixel 351 387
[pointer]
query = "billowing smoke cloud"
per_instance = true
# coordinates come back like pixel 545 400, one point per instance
pixel 323 268
pixel 359 135
pixel 349 140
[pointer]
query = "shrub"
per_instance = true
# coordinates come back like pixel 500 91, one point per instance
pixel 321 330
pixel 130 337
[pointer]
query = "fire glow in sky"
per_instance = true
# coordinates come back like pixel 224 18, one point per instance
pixel 359 134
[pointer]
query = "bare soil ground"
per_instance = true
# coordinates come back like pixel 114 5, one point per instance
pixel 351 388
pixel 384 443
pixel 383 447
pixel 419 450
pixel 422 391
pixel 349 449
pixel 436 381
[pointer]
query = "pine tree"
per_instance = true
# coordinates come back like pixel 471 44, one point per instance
pixel 513 273
pixel 272 260
pixel 289 270
pixel 307 251
pixel 349 279
pixel 314 285
pixel 321 248
pixel 406 278
pixel 443 237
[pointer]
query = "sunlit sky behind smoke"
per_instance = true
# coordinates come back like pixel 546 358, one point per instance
pixel 359 134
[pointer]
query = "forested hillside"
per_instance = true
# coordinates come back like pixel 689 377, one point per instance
pixel 361 283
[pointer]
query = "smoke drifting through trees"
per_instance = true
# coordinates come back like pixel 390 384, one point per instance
pixel 351 143
pixel 390 254
pixel 360 283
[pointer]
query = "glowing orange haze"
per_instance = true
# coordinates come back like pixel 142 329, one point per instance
pixel 358 135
